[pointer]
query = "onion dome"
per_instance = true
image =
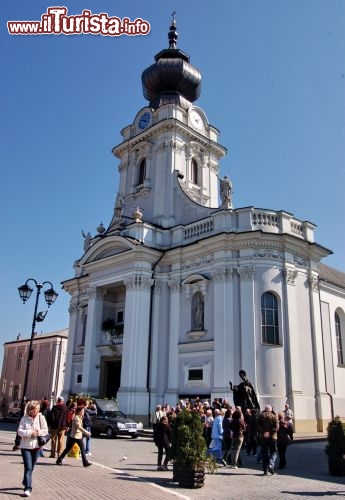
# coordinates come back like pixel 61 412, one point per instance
pixel 171 79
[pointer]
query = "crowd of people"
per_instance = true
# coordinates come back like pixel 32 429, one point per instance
pixel 229 431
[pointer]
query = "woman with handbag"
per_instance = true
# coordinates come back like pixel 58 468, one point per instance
pixel 76 437
pixel 31 426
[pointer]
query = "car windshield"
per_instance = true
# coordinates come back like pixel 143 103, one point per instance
pixel 115 414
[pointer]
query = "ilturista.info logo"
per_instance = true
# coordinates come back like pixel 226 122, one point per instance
pixel 56 22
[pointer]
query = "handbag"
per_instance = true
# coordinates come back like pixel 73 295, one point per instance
pixel 42 440
pixel 212 443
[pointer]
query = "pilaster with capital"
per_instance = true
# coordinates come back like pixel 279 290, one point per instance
pixel 223 310
pixel 174 330
pixel 93 328
pixel 72 333
pixel 290 275
pixel 247 347
pixel 322 400
pixel 290 304
pixel 132 393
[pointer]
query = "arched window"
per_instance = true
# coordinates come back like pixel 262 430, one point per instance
pixel 194 171
pixel 339 340
pixel 142 172
pixel 269 319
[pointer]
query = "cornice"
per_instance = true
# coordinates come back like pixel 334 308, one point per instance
pixel 264 246
pixel 130 257
pixel 166 125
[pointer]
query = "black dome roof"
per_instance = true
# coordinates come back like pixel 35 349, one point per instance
pixel 171 78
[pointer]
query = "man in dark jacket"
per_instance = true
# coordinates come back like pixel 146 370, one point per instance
pixel 162 438
pixel 57 421
pixel 268 427
pixel 90 409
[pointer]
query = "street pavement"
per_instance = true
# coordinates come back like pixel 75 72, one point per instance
pixel 125 468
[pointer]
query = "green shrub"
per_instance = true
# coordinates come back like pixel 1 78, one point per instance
pixel 335 448
pixel 188 444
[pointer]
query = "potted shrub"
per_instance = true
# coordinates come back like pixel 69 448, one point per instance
pixel 109 326
pixel 189 450
pixel 335 448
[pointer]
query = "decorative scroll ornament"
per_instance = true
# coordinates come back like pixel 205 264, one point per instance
pixel 314 283
pixel 290 276
pixel 223 274
pixel 138 282
pixel 73 305
pixel 268 253
pixel 246 273
pixel 175 286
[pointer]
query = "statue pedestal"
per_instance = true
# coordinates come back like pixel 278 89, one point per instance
pixel 196 334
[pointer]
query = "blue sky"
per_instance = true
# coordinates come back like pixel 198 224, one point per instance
pixel 273 83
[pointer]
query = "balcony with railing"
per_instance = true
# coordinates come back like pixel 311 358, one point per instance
pixel 111 341
pixel 244 220
pixel 240 220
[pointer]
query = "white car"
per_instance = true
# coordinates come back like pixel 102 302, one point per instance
pixel 13 412
pixel 113 422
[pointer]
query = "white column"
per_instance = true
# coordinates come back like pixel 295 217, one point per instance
pixel 323 410
pixel 72 331
pixel 247 319
pixel 158 366
pixel 133 394
pixel 223 330
pixel 296 360
pixel 90 378
pixel 173 368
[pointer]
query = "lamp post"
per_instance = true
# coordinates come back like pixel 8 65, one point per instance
pixel 50 296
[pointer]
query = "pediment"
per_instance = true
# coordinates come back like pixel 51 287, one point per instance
pixel 108 247
pixel 194 278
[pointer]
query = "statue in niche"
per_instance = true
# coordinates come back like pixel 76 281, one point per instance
pixel 198 312
pixel 226 191
pixel 244 393
pixel 87 240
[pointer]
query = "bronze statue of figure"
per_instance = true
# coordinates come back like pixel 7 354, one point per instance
pixel 244 393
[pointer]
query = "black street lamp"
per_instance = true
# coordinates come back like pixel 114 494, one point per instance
pixel 50 296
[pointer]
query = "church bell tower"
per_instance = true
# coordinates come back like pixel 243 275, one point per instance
pixel 169 154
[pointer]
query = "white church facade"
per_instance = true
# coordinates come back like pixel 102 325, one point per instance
pixel 182 290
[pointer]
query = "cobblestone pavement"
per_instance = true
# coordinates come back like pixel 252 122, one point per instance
pixel 126 469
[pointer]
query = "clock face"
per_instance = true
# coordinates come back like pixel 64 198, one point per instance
pixel 195 120
pixel 144 120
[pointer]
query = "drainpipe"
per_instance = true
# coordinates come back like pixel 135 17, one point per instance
pixel 148 374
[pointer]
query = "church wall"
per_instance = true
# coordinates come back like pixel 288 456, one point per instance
pixel 335 386
pixel 276 362
pixel 196 361
pixel 303 356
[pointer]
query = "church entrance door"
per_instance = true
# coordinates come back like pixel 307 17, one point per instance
pixel 112 378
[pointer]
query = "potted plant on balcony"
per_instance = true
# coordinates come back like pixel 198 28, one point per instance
pixel 109 326
pixel 189 450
